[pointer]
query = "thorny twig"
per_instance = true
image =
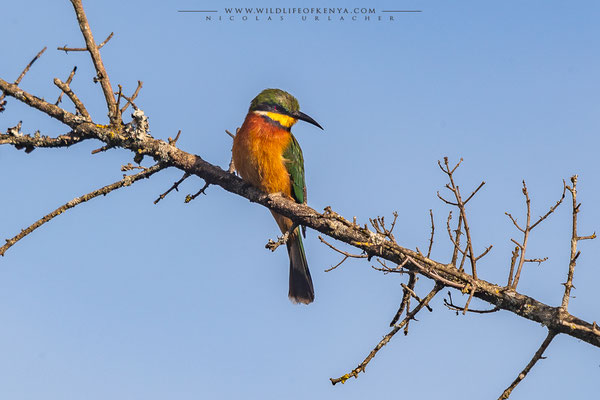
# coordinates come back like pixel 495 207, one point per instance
pixel 126 181
pixel 513 280
pixel 329 222
pixel 191 197
pixel 432 233
pixel 67 49
pixel 461 205
pixel 568 284
pixel 574 239
pixel 362 366
pixel 539 354
pixel 175 186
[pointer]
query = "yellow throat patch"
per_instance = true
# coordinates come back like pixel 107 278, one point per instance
pixel 285 120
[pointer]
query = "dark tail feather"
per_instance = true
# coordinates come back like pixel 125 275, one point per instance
pixel 301 286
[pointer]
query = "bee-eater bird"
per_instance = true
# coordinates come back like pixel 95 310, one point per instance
pixel 266 154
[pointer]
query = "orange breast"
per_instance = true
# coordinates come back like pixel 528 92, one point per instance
pixel 258 154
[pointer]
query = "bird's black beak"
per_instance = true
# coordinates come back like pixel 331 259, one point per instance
pixel 300 115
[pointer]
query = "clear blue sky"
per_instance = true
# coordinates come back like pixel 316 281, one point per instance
pixel 122 299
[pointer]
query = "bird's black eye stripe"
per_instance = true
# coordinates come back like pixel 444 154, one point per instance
pixel 272 108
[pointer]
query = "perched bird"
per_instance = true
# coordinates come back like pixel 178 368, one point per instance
pixel 266 154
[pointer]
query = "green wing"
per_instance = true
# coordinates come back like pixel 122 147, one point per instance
pixel 294 162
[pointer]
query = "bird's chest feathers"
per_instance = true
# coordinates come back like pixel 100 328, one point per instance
pixel 264 146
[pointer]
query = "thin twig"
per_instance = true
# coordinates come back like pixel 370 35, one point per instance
pixel 132 98
pixel 461 207
pixel 92 48
pixel 191 197
pixel 172 141
pixel 398 269
pixel 449 303
pixel 18 80
pixel 126 181
pixel 551 210
pixel 513 260
pixel 231 168
pixel 67 49
pixel 68 82
pixel 78 104
pixel 432 232
pixel 412 280
pixel 514 221
pixel 539 354
pixel 454 241
pixel 514 280
pixel 536 260
pixel 574 239
pixel 474 192
pixel 26 69
pixel 431 273
pixel 487 250
pixel 130 167
pixel 102 149
pixel 413 294
pixel 362 366
pixel 283 239
pixel 344 253
pixel 471 293
pixel 175 186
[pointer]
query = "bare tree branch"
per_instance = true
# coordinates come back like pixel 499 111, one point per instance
pixel 126 181
pixel 328 223
pixel 377 242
